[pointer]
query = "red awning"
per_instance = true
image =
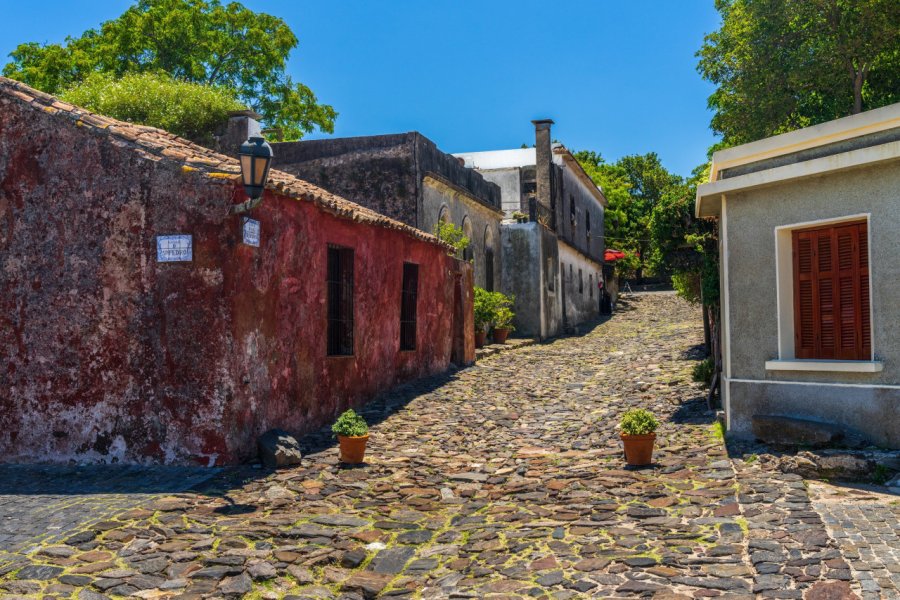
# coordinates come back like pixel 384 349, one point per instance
pixel 613 255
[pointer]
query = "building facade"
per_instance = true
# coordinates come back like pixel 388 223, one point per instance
pixel 552 236
pixel 142 321
pixel 809 226
pixel 406 177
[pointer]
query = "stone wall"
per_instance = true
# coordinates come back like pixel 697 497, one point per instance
pixel 480 223
pixel 378 172
pixel 107 355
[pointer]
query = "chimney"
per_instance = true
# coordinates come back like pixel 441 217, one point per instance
pixel 544 157
pixel 241 125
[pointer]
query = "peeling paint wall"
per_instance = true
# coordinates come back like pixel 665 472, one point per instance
pixel 108 356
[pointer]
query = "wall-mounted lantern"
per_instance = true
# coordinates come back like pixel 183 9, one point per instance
pixel 256 158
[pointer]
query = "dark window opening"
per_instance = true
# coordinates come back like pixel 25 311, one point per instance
pixel 572 211
pixel 340 301
pixel 587 224
pixel 408 301
pixel 580 282
pixel 551 276
pixel 591 285
pixel 489 269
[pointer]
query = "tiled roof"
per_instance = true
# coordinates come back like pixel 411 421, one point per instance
pixel 158 145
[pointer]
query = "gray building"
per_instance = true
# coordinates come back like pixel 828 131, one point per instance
pixel 809 226
pixel 406 177
pixel 552 237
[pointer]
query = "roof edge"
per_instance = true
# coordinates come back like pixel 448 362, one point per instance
pixel 872 121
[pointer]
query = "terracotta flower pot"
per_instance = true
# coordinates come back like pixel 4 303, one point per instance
pixel 353 448
pixel 500 335
pixel 638 449
pixel 480 337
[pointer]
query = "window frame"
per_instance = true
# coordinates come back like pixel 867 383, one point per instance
pixel 784 275
pixel 337 280
pixel 409 305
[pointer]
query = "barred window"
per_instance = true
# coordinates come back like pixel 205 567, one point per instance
pixel 408 301
pixel 340 301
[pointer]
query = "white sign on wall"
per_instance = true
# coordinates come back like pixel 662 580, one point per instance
pixel 174 248
pixel 251 232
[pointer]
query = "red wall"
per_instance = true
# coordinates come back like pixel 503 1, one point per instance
pixel 106 355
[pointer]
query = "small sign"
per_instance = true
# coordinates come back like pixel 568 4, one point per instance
pixel 251 232
pixel 174 248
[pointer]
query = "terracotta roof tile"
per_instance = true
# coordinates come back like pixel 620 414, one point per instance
pixel 158 145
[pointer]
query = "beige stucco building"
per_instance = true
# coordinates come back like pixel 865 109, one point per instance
pixel 809 225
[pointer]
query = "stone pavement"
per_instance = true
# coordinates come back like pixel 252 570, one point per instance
pixel 504 480
pixel 865 523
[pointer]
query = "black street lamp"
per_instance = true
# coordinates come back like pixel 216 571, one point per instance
pixel 256 157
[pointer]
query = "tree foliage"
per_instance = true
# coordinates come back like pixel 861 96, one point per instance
pixel 781 65
pixel 198 41
pixel 190 110
pixel 633 185
pixel 451 234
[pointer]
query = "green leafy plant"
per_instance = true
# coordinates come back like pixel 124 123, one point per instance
pixel 519 216
pixel 492 309
pixel 703 371
pixel 451 234
pixel 350 424
pixel 484 309
pixel 638 421
pixel 190 110
pixel 504 318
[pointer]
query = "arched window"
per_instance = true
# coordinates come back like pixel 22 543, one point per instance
pixel 489 258
pixel 468 254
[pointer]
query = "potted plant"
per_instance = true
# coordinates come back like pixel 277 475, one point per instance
pixel 503 323
pixel 638 432
pixel 484 314
pixel 352 433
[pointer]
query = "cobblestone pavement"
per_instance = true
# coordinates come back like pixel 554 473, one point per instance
pixel 504 480
pixel 866 524
pixel 42 505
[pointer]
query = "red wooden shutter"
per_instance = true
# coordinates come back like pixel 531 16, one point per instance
pixel 831 293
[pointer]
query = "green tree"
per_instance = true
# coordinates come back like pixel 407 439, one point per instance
pixel 784 64
pixel 198 41
pixel 191 110
pixel 633 185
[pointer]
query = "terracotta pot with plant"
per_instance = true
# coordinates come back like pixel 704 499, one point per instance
pixel 352 433
pixel 638 432
pixel 503 323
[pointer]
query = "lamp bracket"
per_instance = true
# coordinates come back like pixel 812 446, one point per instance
pixel 246 206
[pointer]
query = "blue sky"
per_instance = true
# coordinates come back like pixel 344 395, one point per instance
pixel 617 77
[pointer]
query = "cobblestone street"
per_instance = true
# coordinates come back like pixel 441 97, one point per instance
pixel 504 480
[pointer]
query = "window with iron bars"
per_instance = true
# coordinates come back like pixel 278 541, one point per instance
pixel 408 303
pixel 340 300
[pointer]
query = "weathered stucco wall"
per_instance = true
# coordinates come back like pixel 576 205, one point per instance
pixel 378 172
pixel 530 274
pixel 751 219
pixel 582 302
pixel 509 181
pixel 107 355
pixel 573 190
pixel 481 224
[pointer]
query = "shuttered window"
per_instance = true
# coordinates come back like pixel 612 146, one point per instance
pixel 832 318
